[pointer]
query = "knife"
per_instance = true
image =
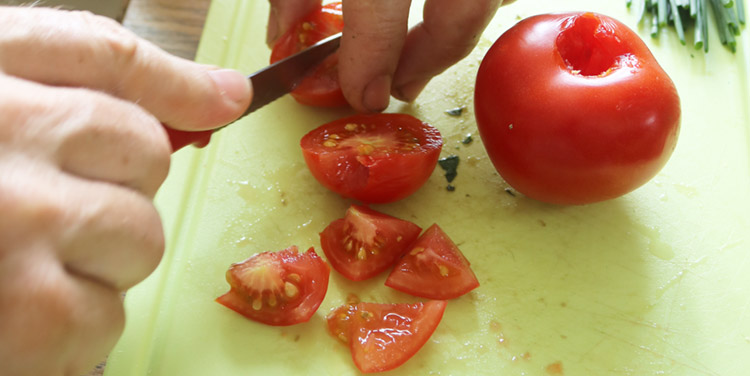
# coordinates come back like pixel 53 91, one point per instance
pixel 269 84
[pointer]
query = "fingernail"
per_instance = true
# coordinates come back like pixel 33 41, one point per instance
pixel 232 85
pixel 377 94
pixel 409 92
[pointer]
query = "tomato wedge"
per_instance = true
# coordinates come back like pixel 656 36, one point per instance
pixel 382 337
pixel 373 158
pixel 277 288
pixel 434 268
pixel 365 242
pixel 321 88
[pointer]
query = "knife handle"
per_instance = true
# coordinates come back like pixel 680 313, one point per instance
pixel 179 139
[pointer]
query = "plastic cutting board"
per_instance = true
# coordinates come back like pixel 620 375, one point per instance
pixel 653 283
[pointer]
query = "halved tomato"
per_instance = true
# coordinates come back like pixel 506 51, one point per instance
pixel 277 288
pixel 321 88
pixel 374 158
pixel 382 337
pixel 365 242
pixel 434 268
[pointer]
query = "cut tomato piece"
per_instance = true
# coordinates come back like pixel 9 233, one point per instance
pixel 382 337
pixel 340 322
pixel 365 242
pixel 374 158
pixel 277 288
pixel 321 88
pixel 433 268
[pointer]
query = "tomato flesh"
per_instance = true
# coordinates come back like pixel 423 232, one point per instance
pixel 373 158
pixel 433 268
pixel 365 242
pixel 573 108
pixel 382 337
pixel 321 88
pixel 277 288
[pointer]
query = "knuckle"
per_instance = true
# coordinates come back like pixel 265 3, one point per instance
pixel 27 209
pixel 130 139
pixel 122 45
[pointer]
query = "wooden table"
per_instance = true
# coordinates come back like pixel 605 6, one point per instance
pixel 173 25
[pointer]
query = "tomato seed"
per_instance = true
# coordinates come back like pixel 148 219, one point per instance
pixel 272 300
pixel 290 290
pixel 351 127
pixel 416 251
pixel 362 253
pixel 365 149
pixel 443 270
pixel 257 304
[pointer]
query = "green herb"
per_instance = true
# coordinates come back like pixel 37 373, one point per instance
pixel 682 14
pixel 450 165
pixel 510 192
pixel 450 188
pixel 455 111
pixel 467 140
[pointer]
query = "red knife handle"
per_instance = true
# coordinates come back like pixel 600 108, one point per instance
pixel 180 139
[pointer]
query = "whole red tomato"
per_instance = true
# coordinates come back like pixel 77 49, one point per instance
pixel 573 108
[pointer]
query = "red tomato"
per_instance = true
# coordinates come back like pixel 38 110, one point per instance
pixel 365 242
pixel 434 268
pixel 573 108
pixel 374 158
pixel 321 88
pixel 382 337
pixel 277 288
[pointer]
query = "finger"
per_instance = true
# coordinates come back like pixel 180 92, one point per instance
pixel 86 133
pixel 102 232
pixel 56 325
pixel 284 14
pixel 374 33
pixel 449 31
pixel 82 50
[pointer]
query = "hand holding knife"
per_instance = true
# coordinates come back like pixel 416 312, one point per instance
pixel 268 84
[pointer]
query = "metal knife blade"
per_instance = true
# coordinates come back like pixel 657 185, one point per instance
pixel 268 84
pixel 282 77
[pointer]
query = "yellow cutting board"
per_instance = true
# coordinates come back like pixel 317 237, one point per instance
pixel 653 283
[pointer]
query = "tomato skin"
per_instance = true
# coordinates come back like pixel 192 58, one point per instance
pixel 365 242
pixel 573 108
pixel 321 88
pixel 405 153
pixel 433 268
pixel 368 329
pixel 306 272
pixel 375 349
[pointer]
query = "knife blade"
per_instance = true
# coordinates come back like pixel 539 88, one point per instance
pixel 282 77
pixel 269 84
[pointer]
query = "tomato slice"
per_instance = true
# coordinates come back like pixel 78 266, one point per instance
pixel 382 337
pixel 340 320
pixel 321 88
pixel 365 242
pixel 434 268
pixel 277 288
pixel 374 158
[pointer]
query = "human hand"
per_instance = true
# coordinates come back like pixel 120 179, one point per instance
pixel 82 153
pixel 379 57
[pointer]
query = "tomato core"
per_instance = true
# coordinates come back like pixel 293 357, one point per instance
pixel 588 45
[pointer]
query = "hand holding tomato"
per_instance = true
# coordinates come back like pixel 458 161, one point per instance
pixel 574 108
pixel 379 56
